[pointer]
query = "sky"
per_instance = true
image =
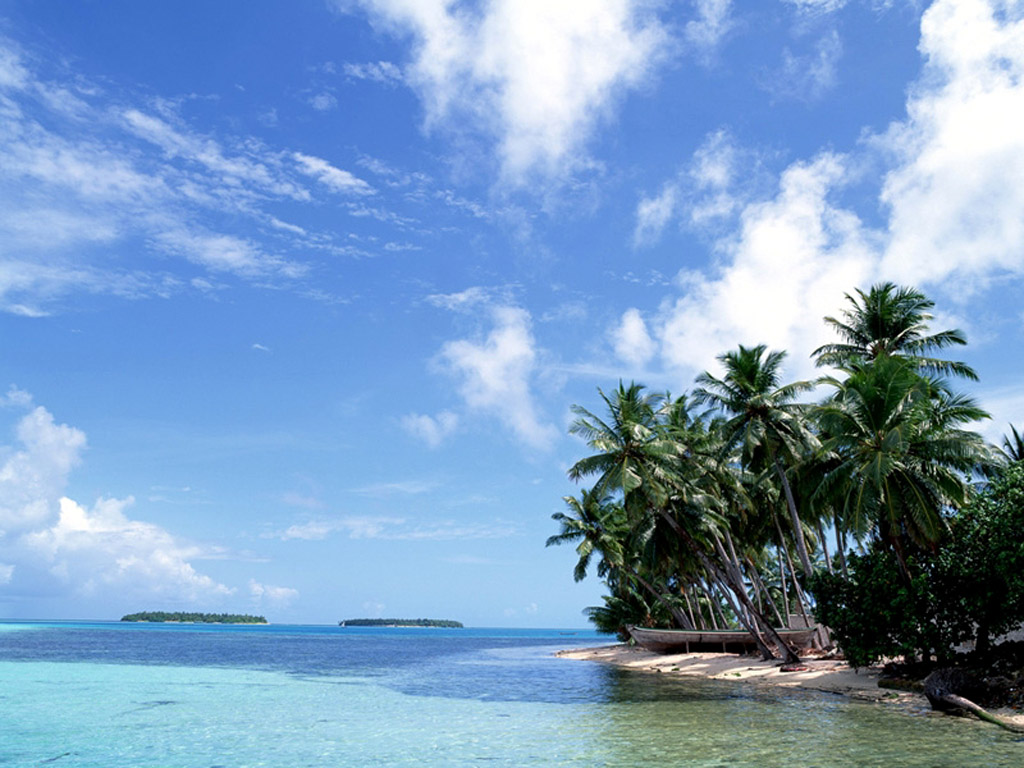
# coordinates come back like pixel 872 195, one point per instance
pixel 296 298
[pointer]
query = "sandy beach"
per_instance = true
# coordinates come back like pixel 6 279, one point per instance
pixel 826 675
pixel 831 676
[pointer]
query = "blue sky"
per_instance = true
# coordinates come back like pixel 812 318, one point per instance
pixel 295 298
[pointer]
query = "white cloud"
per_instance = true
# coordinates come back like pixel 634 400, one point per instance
pixel 226 253
pixel 323 102
pixel 631 340
pixel 956 197
pixel 276 596
pixel 535 75
pixel 99 549
pixel 1006 405
pixel 712 24
pixel 817 6
pixel 652 214
pixel 6 573
pixel 461 301
pixel 334 178
pixel 33 478
pixel 433 430
pixel 788 266
pixel 12 74
pixel 495 375
pixel 210 154
pixel 809 76
pixel 376 71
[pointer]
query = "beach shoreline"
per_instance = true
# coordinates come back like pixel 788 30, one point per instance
pixel 833 676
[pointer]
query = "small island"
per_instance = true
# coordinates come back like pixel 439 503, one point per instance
pixel 195 618
pixel 432 623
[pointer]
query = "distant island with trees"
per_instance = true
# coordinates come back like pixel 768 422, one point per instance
pixel 195 618
pixel 433 623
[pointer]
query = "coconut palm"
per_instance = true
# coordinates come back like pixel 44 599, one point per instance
pixel 655 455
pixel 899 451
pixel 891 320
pixel 598 526
pixel 763 421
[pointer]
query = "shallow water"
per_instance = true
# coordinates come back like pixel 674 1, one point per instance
pixel 74 694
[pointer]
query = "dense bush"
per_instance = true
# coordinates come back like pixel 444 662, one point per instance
pixel 970 588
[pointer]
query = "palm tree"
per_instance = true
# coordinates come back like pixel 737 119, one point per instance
pixel 1013 445
pixel 764 422
pixel 654 455
pixel 891 320
pixel 599 527
pixel 899 452
pixel 631 450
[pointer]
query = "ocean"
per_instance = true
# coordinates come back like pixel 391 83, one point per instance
pixel 115 694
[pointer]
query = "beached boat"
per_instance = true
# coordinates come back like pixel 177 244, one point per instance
pixel 685 641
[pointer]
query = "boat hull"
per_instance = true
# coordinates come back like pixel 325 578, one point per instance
pixel 725 641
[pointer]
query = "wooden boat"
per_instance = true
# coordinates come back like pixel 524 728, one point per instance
pixel 686 641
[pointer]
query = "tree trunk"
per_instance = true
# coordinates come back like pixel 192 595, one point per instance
pixel 741 595
pixel 689 606
pixel 841 544
pixel 798 531
pixel 755 575
pixel 676 614
pixel 782 581
pixel 824 547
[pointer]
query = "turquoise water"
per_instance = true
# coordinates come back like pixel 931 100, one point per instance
pixel 78 694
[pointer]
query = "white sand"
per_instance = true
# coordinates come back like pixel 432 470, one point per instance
pixel 828 675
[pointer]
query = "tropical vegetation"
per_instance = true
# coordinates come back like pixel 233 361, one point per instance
pixel 863 499
pixel 195 618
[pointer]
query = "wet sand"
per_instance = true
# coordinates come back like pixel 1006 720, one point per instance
pixel 826 675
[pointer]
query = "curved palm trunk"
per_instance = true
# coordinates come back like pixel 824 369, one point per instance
pixel 741 594
pixel 680 617
pixel 755 577
pixel 798 531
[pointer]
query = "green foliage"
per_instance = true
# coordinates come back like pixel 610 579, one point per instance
pixel 879 613
pixel 196 618
pixel 435 623
pixel 971 587
pixel 981 570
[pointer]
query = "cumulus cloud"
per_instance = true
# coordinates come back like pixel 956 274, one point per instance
pixel 33 477
pixel 953 193
pixel 633 344
pixel 534 76
pixel 955 197
pixel 99 549
pixel 789 265
pixel 433 430
pixel 52 545
pixel 495 375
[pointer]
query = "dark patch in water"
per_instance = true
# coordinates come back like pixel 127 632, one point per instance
pixel 53 759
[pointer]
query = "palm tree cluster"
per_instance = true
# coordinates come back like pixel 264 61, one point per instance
pixel 715 508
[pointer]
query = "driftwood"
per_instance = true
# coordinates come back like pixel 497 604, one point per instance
pixel 948 690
